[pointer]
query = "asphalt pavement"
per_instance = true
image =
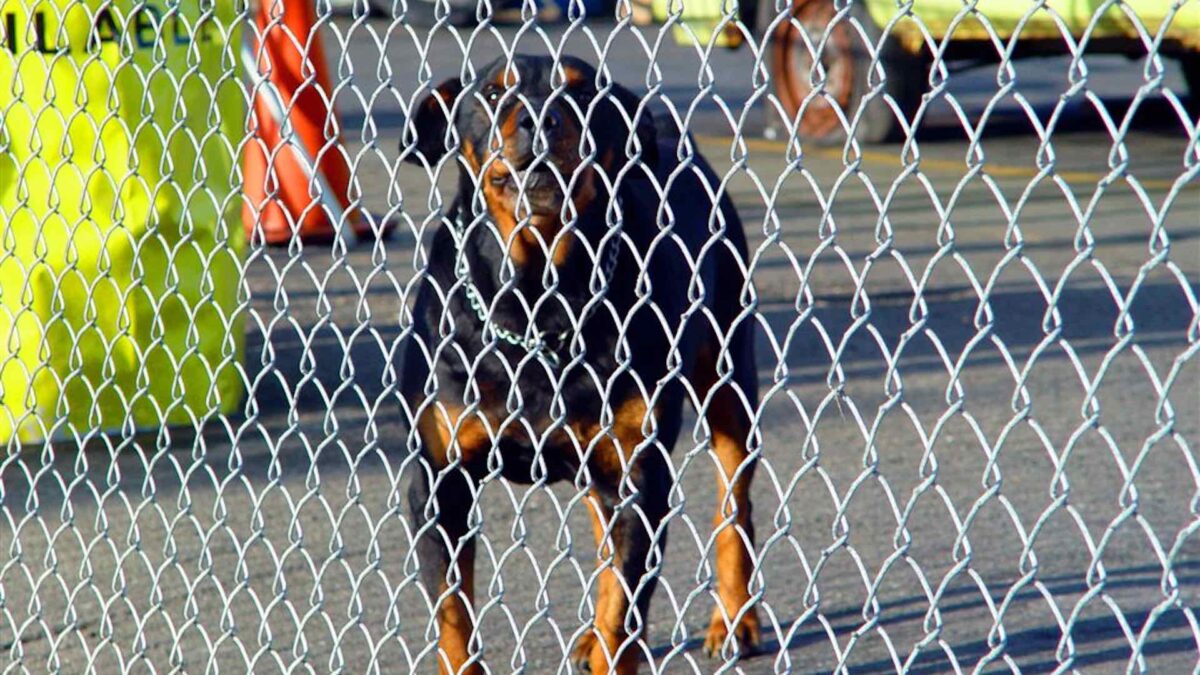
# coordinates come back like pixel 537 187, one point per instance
pixel 980 415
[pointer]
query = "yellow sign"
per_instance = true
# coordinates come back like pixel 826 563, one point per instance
pixel 1002 19
pixel 694 22
pixel 120 238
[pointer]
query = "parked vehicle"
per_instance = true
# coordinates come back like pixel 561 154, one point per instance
pixel 990 31
pixel 845 35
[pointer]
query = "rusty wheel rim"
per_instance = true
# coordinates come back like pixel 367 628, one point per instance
pixel 792 63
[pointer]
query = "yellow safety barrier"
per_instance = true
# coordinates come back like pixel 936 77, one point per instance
pixel 120 247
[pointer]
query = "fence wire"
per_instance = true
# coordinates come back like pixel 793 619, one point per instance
pixel 453 430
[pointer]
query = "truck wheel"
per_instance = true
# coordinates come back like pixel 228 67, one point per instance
pixel 846 60
pixel 423 14
pixel 1191 76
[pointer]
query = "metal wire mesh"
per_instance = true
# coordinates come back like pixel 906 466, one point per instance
pixel 975 346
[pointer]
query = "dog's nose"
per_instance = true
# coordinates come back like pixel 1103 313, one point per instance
pixel 533 137
pixel 527 121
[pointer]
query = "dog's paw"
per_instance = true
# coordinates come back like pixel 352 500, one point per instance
pixel 747 636
pixel 581 656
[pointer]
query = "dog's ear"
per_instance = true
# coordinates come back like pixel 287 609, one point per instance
pixel 425 130
pixel 643 121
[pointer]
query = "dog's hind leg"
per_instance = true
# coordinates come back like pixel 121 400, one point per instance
pixel 728 416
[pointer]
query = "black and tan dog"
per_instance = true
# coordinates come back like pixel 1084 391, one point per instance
pixel 586 284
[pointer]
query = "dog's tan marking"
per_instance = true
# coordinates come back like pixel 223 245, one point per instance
pixel 470 434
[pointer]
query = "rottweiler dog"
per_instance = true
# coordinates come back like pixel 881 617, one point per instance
pixel 589 276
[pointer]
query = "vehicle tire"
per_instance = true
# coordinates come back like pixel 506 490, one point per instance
pixel 380 8
pixel 1190 62
pixel 375 8
pixel 847 62
pixel 422 13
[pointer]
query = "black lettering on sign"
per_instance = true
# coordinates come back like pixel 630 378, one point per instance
pixel 39 28
pixel 146 28
pixel 179 34
pixel 145 25
pixel 104 29
pixel 10 31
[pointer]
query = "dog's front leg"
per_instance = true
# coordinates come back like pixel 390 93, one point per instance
pixel 440 502
pixel 446 554
pixel 628 503
pixel 624 539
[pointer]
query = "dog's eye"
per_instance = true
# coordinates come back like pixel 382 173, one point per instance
pixel 491 93
pixel 583 94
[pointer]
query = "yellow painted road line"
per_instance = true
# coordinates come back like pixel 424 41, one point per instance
pixel 951 166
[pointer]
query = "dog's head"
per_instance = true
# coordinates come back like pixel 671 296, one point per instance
pixel 541 141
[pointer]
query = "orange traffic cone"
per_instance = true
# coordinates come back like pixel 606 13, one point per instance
pixel 297 179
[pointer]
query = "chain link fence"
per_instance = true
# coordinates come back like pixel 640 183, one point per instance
pixel 955 349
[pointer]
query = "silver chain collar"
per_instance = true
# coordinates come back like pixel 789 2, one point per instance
pixel 536 343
